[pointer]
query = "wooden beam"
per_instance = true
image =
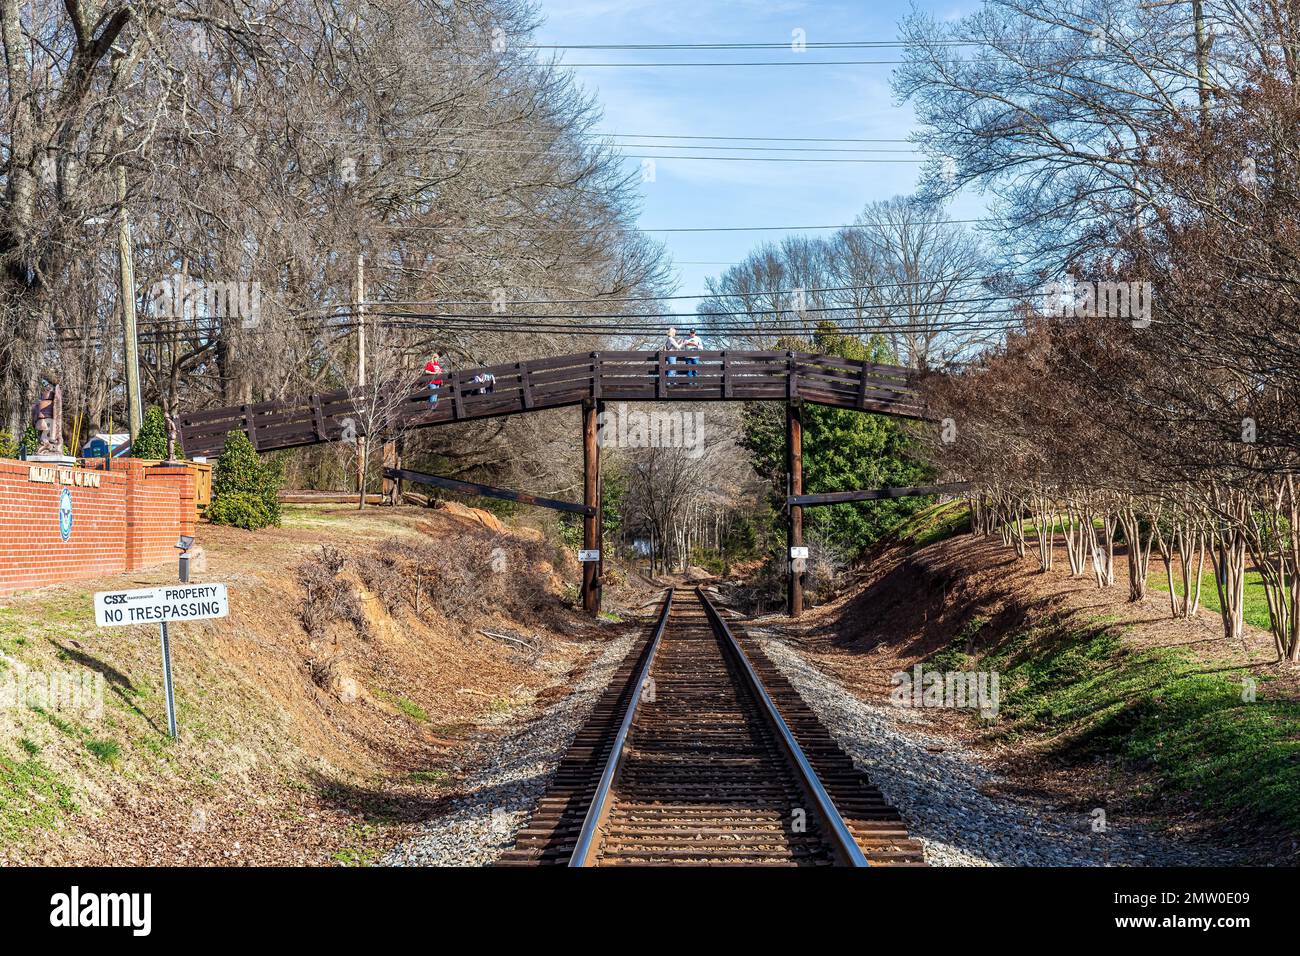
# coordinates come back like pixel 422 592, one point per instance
pixel 486 491
pixel 794 521
pixel 839 497
pixel 526 384
pixel 392 460
pixel 591 524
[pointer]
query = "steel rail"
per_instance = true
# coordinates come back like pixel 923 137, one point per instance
pixel 837 832
pixel 584 849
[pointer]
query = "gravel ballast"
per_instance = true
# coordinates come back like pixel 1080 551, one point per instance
pixel 498 799
pixel 939 785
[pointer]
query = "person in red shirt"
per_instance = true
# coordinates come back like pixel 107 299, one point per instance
pixel 433 369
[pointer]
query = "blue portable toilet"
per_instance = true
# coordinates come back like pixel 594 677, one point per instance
pixel 101 442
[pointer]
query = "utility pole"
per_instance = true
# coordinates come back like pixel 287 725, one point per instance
pixel 359 295
pixel 592 530
pixel 1202 46
pixel 126 292
pixel 1202 60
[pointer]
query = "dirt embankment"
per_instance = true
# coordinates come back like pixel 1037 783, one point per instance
pixel 1104 702
pixel 320 722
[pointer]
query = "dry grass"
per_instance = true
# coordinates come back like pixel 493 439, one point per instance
pixel 274 764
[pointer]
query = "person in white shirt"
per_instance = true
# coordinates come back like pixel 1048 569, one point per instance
pixel 692 343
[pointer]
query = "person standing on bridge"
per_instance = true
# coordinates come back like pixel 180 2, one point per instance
pixel 433 369
pixel 672 345
pixel 692 344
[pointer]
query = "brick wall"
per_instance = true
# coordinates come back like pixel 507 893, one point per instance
pixel 129 522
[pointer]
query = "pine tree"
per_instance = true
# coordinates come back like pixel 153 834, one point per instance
pixel 843 450
pixel 245 489
pixel 151 440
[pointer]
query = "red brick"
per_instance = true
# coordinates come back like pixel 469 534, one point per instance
pixel 131 521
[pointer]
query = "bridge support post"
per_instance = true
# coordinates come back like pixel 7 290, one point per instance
pixel 393 460
pixel 591 524
pixel 794 519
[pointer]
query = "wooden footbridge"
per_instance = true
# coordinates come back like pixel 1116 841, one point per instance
pixel 587 379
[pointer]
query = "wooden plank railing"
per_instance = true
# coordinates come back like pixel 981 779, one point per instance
pixel 876 494
pixel 696 376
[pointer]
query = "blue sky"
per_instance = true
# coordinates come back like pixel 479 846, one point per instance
pixel 794 101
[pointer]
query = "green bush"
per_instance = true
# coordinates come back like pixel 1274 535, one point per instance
pixel 245 489
pixel 28 442
pixel 240 510
pixel 151 441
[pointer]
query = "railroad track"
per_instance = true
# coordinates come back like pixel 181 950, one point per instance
pixel 701 753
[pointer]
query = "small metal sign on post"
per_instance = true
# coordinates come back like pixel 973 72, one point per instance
pixel 163 605
pixel 586 556
pixel 797 553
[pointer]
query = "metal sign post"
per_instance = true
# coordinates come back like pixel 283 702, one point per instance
pixel 185 602
pixel 167 682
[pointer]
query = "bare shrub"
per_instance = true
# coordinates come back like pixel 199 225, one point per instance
pixel 324 671
pixel 483 573
pixel 385 574
pixel 328 598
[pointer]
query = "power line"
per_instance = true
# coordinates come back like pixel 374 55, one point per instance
pixel 701 295
pixel 1081 35
pixel 326 318
pixel 494 151
pixel 435 330
pixel 787 45
pixel 588 229
pixel 374 307
pixel 755 139
pixel 604 323
pixel 492 146
pixel 649 319
pixel 523 133
pixel 432 326
pixel 733 63
pixel 323 318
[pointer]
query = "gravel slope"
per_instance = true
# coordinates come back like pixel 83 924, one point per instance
pixel 941 796
pixel 517 768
